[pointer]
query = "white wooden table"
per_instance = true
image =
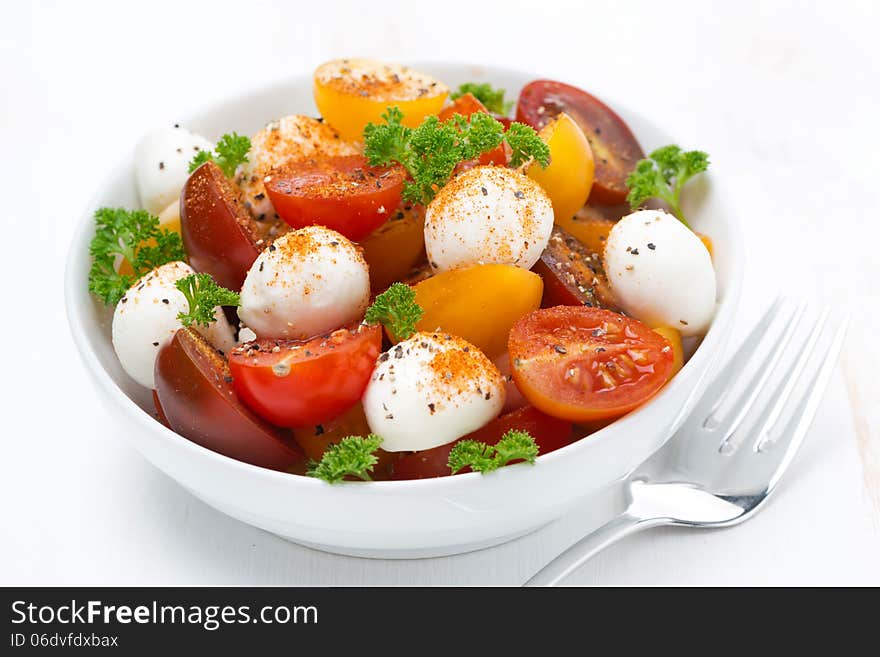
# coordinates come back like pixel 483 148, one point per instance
pixel 784 96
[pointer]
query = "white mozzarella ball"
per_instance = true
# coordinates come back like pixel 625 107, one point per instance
pixel 162 160
pixel 145 320
pixel 488 215
pixel 286 140
pixel 660 272
pixel 307 282
pixel 430 390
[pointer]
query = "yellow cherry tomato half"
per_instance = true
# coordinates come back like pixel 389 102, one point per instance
pixel 568 178
pixel 350 93
pixel 169 219
pixel 479 303
pixel 674 338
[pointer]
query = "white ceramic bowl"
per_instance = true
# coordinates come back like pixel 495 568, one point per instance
pixel 429 517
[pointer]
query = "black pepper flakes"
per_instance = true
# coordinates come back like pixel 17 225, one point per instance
pixel 161 166
pixel 319 429
pixel 165 301
pixel 651 245
pixel 560 349
pixel 519 194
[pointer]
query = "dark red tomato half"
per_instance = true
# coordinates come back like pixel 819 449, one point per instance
pixel 218 233
pixel 549 432
pixel 615 149
pixel 466 105
pixel 340 192
pixel 194 393
pixel 299 383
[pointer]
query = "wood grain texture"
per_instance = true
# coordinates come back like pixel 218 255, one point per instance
pixel 783 95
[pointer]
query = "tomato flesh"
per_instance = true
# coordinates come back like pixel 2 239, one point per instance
pixel 340 192
pixel 583 364
pixel 194 396
pixel 550 433
pixel 218 233
pixel 296 383
pixel 615 149
pixel 573 274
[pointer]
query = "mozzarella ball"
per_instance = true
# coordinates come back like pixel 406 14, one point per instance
pixel 161 162
pixel 430 390
pixel 307 282
pixel 488 215
pixel 660 272
pixel 286 140
pixel 145 320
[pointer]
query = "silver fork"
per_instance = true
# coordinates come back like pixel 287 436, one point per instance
pixel 718 469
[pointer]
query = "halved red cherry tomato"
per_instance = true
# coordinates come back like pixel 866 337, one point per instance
pixel 550 433
pixel 296 383
pixel 582 364
pixel 466 105
pixel 340 192
pixel 195 396
pixel 615 149
pixel 218 233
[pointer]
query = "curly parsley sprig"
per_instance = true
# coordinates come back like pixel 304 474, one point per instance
pixel 230 151
pixel 203 295
pixel 492 98
pixel 480 457
pixel 352 456
pixel 431 151
pixel 135 235
pixel 663 174
pixel 396 309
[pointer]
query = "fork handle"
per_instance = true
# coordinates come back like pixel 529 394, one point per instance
pixel 591 544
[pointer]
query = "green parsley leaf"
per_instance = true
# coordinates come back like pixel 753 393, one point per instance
pixel 525 144
pixel 353 456
pixel 480 457
pixel 431 151
pixel 663 174
pixel 203 295
pixel 396 308
pixel 231 150
pixel 492 98
pixel 128 233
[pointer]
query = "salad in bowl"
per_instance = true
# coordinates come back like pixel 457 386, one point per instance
pixel 422 280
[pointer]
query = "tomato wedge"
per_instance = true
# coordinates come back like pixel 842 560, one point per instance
pixel 218 233
pixel 194 396
pixel 296 383
pixel 550 433
pixel 615 149
pixel 340 192
pixel 583 364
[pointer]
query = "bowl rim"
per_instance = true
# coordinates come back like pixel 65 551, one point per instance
pixel 701 358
